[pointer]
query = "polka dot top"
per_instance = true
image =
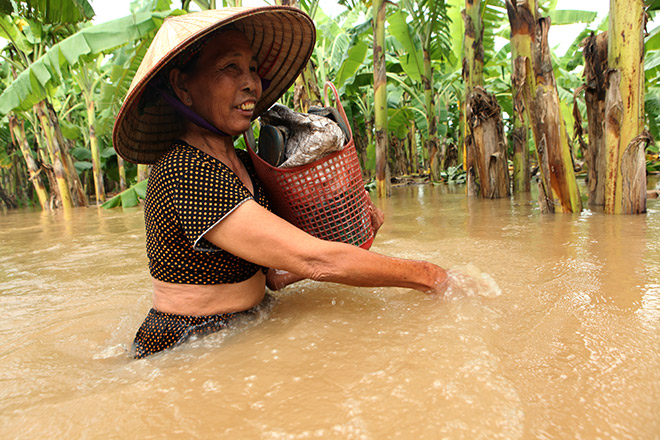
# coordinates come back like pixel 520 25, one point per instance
pixel 188 193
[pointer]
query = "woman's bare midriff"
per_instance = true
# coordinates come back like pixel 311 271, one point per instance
pixel 200 300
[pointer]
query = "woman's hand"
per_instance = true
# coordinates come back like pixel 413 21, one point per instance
pixel 278 279
pixel 441 283
pixel 376 215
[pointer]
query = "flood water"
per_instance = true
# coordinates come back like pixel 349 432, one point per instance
pixel 570 348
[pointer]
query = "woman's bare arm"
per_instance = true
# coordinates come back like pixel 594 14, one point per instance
pixel 257 235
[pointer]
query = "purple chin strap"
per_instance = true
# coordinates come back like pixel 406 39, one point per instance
pixel 190 114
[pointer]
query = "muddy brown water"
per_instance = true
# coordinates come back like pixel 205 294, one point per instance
pixel 570 348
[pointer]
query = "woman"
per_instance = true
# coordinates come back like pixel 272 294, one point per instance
pixel 210 235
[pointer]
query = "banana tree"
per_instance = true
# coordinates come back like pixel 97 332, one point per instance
pixel 40 79
pixel 380 97
pixel 625 189
pixel 425 38
pixel 533 77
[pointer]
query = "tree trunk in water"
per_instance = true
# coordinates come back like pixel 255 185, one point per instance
pixel 595 67
pixel 487 132
pixel 380 98
pixel 122 173
pixel 19 139
pixel 55 156
pixel 521 172
pixel 625 188
pixel 473 67
pixel 521 46
pixel 431 118
pixel 142 172
pixel 77 192
pixel 534 77
pixel 99 187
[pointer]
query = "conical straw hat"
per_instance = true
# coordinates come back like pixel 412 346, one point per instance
pixel 282 39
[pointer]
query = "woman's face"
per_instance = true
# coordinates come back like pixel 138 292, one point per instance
pixel 224 86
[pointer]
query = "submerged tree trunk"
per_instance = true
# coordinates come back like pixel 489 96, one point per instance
pixel 473 67
pixel 432 144
pixel 595 68
pixel 19 139
pixel 625 189
pixel 77 192
pixel 380 98
pixel 486 128
pixel 533 74
pixel 99 187
pixel 55 154
pixel 521 46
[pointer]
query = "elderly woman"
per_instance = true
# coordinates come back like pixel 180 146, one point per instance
pixel 210 235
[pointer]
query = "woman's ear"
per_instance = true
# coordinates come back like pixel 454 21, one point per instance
pixel 177 81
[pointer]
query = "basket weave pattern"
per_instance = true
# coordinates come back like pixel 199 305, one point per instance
pixel 325 198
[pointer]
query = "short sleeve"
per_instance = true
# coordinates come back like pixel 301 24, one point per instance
pixel 204 193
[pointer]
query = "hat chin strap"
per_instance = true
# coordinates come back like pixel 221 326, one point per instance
pixel 191 115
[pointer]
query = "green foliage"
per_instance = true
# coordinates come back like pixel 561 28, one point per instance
pixel 454 175
pixel 128 198
pixel 40 79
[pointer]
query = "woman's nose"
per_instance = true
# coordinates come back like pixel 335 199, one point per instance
pixel 253 83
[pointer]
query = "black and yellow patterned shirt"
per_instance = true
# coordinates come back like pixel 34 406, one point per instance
pixel 188 193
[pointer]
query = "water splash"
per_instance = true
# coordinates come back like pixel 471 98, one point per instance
pixel 469 280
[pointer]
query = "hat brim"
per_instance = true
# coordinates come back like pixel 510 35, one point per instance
pixel 282 39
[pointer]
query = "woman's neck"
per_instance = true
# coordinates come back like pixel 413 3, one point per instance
pixel 220 147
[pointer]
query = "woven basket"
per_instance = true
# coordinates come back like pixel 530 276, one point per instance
pixel 325 198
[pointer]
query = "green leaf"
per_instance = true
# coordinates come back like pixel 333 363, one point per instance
pixel 141 189
pixel 652 42
pixel 70 130
pixel 354 58
pixel 129 198
pixel 652 60
pixel 62 11
pixel 81 153
pixel 108 152
pixel 82 166
pixel 412 61
pixel 571 16
pixel 112 203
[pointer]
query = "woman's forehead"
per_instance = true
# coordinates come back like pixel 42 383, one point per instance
pixel 230 43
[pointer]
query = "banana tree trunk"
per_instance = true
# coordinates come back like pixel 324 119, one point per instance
pixel 380 98
pixel 521 170
pixel 142 172
pixel 432 144
pixel 625 188
pixel 595 66
pixel 521 44
pixel 487 132
pixel 77 191
pixel 19 138
pixel 122 173
pixel 55 156
pixel 534 78
pixel 473 67
pixel 99 187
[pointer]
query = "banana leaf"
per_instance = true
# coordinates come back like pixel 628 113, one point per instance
pixel 571 16
pixel 354 58
pixel 412 61
pixel 128 198
pixel 45 74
